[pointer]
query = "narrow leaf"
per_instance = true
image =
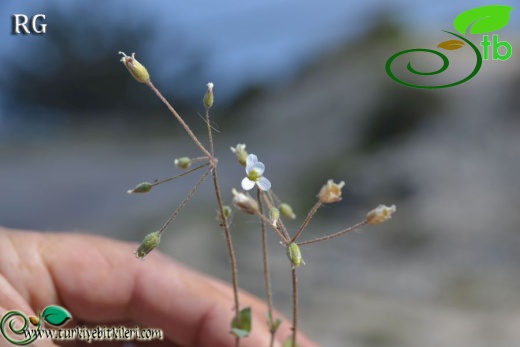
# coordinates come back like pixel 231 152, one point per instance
pixel 56 315
pixel 451 45
pixel 482 19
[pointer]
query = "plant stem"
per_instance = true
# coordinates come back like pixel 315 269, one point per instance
pixel 180 175
pixel 306 221
pixel 295 305
pixel 284 239
pixel 184 202
pixel 213 168
pixel 227 234
pixel 339 233
pixel 267 281
pixel 210 134
pixel 268 198
pixel 184 125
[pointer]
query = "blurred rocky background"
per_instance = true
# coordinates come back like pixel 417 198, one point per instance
pixel 304 86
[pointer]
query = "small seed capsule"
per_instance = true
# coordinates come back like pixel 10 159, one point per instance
pixel 144 187
pixel 294 254
pixel 149 242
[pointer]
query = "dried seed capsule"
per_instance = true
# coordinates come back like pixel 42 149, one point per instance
pixel 135 68
pixel 244 202
pixel 331 192
pixel 380 214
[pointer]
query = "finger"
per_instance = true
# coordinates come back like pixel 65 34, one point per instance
pixel 99 280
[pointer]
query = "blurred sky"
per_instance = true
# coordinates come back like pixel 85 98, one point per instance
pixel 241 43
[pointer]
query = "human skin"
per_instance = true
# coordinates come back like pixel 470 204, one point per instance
pixel 100 282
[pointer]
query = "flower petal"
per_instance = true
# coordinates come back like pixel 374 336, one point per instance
pixel 247 184
pixel 251 161
pixel 263 183
pixel 259 167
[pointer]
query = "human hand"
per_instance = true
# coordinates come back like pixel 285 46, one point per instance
pixel 101 283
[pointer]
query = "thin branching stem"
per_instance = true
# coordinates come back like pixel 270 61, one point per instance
pixel 210 134
pixel 311 213
pixel 295 305
pixel 267 280
pixel 284 240
pixel 227 234
pixel 183 123
pixel 331 236
pixel 268 200
pixel 213 169
pixel 184 202
pixel 180 175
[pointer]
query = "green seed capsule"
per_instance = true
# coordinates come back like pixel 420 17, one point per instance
pixel 150 241
pixel 183 163
pixel 144 187
pixel 294 254
pixel 208 97
pixel 286 211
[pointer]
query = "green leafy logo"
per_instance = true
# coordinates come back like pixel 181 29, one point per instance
pixel 479 20
pixel 482 20
pixel 53 315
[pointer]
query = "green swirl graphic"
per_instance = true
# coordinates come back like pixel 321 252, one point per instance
pixel 445 64
pixel 19 331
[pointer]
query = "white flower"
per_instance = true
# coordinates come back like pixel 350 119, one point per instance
pixel 254 171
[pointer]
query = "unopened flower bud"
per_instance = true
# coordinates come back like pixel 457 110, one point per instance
pixel 150 241
pixel 294 254
pixel 286 211
pixel 227 213
pixel 144 187
pixel 183 163
pixel 244 203
pixel 331 192
pixel 274 215
pixel 135 68
pixel 380 214
pixel 240 152
pixel 208 97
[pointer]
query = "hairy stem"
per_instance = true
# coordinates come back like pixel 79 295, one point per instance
pixel 184 202
pixel 184 125
pixel 227 234
pixel 307 220
pixel 178 176
pixel 268 198
pixel 295 305
pixel 331 236
pixel 267 281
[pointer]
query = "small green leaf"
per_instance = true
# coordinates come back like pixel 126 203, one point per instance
pixel 239 332
pixel 241 325
pixel 451 45
pixel 482 19
pixel 288 342
pixel 56 315
pixel 273 326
